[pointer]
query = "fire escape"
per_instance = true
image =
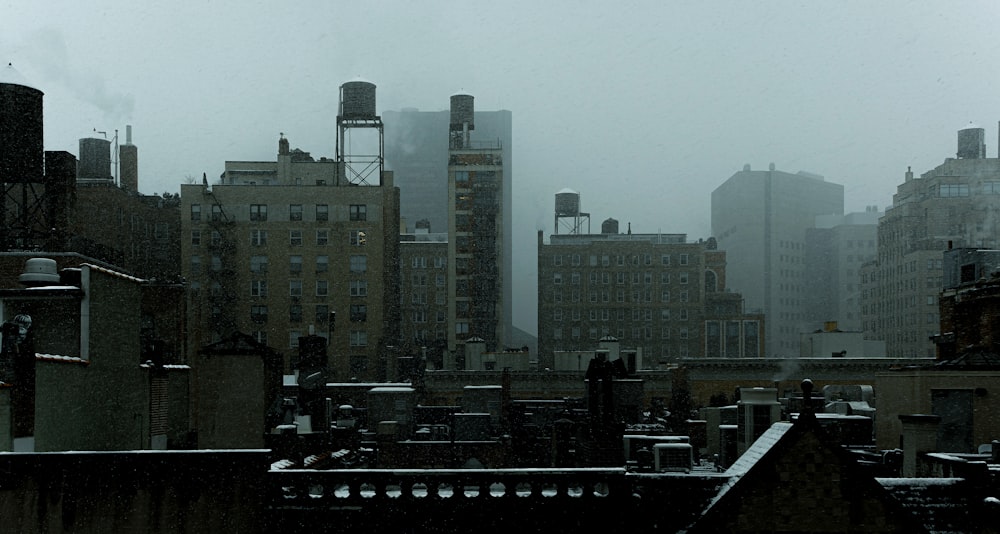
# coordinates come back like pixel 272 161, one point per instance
pixel 222 275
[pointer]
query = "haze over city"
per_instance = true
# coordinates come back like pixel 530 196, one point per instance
pixel 644 108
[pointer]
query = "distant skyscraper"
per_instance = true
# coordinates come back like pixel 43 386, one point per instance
pixel 956 204
pixel 760 219
pixel 835 251
pixel 417 151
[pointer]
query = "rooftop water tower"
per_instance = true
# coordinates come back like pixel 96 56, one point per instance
pixel 971 142
pixel 463 120
pixel 23 222
pixel 357 113
pixel 569 218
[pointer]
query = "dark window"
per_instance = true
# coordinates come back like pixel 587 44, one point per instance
pixel 359 212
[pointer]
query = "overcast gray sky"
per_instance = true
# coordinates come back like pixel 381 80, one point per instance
pixel 642 107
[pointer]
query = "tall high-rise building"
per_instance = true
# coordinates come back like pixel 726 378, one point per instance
pixel 478 241
pixel 760 219
pixel 956 204
pixel 417 151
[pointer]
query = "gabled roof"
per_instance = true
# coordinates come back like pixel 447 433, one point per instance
pixel 795 478
pixel 237 343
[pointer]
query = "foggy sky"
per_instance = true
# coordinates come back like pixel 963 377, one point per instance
pixel 643 108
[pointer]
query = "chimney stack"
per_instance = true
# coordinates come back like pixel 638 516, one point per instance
pixel 128 156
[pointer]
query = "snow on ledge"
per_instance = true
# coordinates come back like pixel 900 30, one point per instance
pixel 58 358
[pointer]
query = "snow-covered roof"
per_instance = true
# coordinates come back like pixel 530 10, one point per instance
pixel 113 273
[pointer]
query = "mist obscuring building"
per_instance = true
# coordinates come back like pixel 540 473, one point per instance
pixel 656 293
pixel 417 151
pixel 760 219
pixel 835 251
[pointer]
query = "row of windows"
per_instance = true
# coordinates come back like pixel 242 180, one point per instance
pixel 357 288
pixel 620 296
pixel 421 280
pixel 638 333
pixel 358 313
pixel 259 237
pixel 259 264
pixel 420 262
pixel 621 277
pixel 420 316
pixel 605 260
pixel 258 212
pixel 619 314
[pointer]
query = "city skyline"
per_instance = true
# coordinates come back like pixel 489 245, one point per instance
pixel 642 110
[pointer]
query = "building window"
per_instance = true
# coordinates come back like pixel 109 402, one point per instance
pixel 295 313
pixel 359 288
pixel 576 260
pixel 216 263
pixel 258 212
pixel 258 313
pixel 665 295
pixel 322 264
pixel 195 212
pixel 682 278
pixel 557 278
pixel 684 259
pixel 461 328
pixel 322 288
pixel 684 296
pixel 293 339
pixel 359 264
pixel 322 313
pixel 295 288
pixel 322 212
pixel 420 316
pixel 418 262
pixel 295 212
pixel 258 237
pixel 557 260
pixel 439 280
pixel 322 237
pixel 683 314
pixel 258 264
pixel 991 188
pixel 359 338
pixel 359 313
pixel 953 190
pixel 260 336
pixel 295 238
pixel 216 238
pixel 195 238
pixel 684 333
pixel 418 279
pixel 295 264
pixel 216 212
pixel 195 265
pixel 461 176
pixel 359 212
pixel 359 238
pixel 419 297
pixel 258 288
